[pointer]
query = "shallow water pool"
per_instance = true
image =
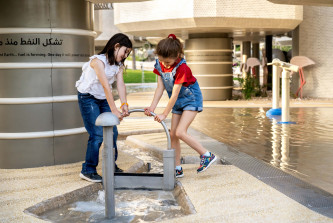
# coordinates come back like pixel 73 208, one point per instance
pixel 304 149
pixel 131 206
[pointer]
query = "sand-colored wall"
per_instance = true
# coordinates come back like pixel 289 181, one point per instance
pixel 316 42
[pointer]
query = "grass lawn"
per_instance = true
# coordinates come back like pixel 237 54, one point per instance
pixel 135 76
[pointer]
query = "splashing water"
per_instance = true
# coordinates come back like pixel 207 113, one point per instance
pixel 131 206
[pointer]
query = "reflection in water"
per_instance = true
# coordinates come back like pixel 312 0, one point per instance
pixel 285 146
pixel 304 149
pixel 275 143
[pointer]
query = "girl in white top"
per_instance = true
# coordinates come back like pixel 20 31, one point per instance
pixel 95 97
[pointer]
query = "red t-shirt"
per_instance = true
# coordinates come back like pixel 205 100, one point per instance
pixel 183 74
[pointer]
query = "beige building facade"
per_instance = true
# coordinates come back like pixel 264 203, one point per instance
pixel 315 41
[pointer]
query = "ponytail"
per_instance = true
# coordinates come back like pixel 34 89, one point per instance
pixel 170 47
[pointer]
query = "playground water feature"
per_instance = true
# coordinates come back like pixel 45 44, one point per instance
pixel 304 149
pixel 131 206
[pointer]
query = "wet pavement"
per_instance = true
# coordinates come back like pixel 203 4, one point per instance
pixel 304 149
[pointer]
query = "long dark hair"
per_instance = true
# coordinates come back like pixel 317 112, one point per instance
pixel 120 38
pixel 170 47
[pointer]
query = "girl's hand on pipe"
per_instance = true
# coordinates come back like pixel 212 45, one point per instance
pixel 118 114
pixel 124 110
pixel 148 111
pixel 160 118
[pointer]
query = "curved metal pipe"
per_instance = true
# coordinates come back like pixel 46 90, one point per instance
pixel 163 124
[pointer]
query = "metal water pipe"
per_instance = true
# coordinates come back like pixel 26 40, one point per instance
pixel 108 120
pixel 276 87
pixel 287 70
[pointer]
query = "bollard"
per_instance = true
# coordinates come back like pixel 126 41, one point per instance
pixel 108 120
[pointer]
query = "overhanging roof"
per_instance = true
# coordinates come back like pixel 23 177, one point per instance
pixel 304 2
pixel 240 19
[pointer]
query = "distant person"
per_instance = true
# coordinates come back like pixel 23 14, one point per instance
pixel 95 97
pixel 185 99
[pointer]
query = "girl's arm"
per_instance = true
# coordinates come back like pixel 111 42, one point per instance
pixel 98 67
pixel 157 96
pixel 122 91
pixel 174 96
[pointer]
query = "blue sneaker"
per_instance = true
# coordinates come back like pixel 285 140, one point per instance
pixel 206 161
pixel 179 173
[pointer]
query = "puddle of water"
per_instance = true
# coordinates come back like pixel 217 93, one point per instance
pixel 304 149
pixel 131 206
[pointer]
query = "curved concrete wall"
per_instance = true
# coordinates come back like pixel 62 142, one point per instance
pixel 210 60
pixel 43 46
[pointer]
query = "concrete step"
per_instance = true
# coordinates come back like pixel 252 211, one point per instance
pixel 155 143
pixel 138 126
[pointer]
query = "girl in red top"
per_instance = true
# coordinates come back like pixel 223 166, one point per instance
pixel 185 99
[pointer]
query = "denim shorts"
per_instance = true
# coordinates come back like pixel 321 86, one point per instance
pixel 189 99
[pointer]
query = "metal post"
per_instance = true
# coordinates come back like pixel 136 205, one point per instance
pixel 288 69
pixel 108 120
pixel 169 169
pixel 143 74
pixel 276 87
pixel 285 95
pixel 108 172
pixel 168 158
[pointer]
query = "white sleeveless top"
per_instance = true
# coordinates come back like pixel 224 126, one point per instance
pixel 89 82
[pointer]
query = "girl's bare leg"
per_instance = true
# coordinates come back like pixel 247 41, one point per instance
pixel 175 144
pixel 181 131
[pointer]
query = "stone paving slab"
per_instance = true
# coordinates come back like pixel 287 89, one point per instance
pixel 248 198
pixel 228 194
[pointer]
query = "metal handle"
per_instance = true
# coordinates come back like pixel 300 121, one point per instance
pixel 163 124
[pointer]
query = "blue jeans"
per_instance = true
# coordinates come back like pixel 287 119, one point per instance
pixel 91 108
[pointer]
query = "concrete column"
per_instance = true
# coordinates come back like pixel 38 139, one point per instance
pixel 43 44
pixel 255 53
pixel 210 59
pixel 246 48
pixel 269 56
